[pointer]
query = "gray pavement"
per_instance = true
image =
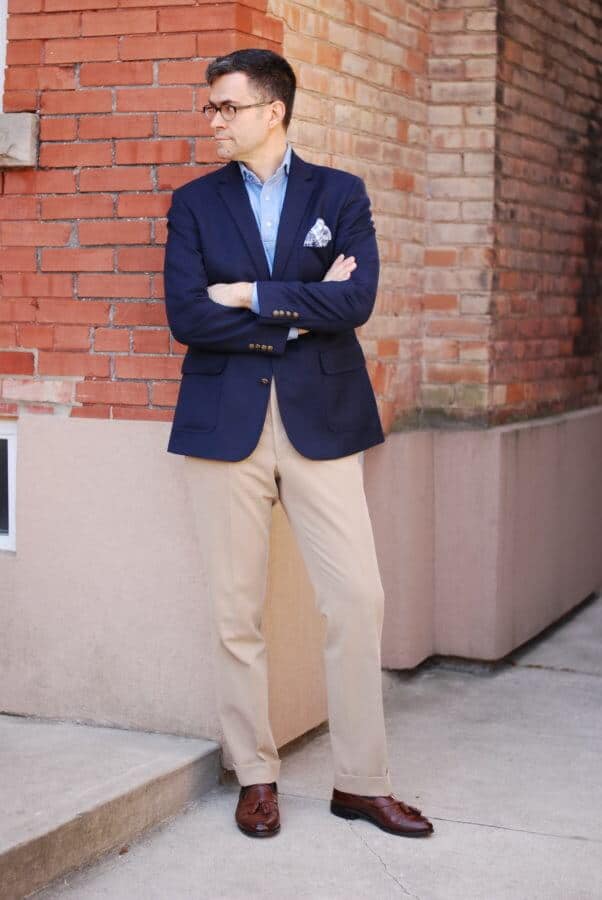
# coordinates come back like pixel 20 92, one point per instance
pixel 504 759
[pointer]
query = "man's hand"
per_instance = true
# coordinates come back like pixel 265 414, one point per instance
pixel 240 293
pixel 237 294
pixel 341 268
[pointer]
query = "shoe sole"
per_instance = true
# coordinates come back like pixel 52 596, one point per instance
pixel 345 813
pixel 259 833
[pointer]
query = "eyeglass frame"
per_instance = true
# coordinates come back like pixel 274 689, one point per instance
pixel 218 109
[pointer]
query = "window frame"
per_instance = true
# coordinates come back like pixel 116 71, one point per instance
pixel 8 432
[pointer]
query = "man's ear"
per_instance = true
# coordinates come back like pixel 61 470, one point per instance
pixel 277 114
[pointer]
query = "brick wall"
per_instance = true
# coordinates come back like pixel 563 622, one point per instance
pixel 361 105
pixel 118 88
pixel 546 297
pixel 460 212
pixel 474 123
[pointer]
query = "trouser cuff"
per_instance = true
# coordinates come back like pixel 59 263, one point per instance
pixel 257 773
pixel 367 785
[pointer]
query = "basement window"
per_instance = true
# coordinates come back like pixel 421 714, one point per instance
pixel 8 471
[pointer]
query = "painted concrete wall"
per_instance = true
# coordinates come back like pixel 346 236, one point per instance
pixel 484 537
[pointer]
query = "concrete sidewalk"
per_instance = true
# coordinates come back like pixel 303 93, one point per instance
pixel 504 759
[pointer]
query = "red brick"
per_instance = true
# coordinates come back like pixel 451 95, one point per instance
pixel 34 181
pixel 105 73
pixel 151 341
pixel 40 337
pixel 33 233
pixel 162 46
pixel 153 205
pixel 164 393
pixel 135 313
pixel 115 126
pixel 57 5
pixel 116 178
pixel 73 311
pixel 186 72
pixel 186 124
pixel 119 22
pixel 32 285
pixel 18 207
pixel 440 257
pixel 24 53
pixel 98 153
pixel 73 259
pixel 159 367
pixel 153 98
pixel 134 412
pixel 114 285
pixel 122 392
pixel 116 339
pixel 54 363
pixel 8 336
pixel 18 259
pixel 71 337
pixel 58 129
pixel 56 78
pixel 189 19
pixel 42 26
pixel 20 101
pixel 81 50
pixel 152 151
pixel 78 207
pixel 16 362
pixel 172 177
pixel 82 101
pixel 114 232
pixel 141 259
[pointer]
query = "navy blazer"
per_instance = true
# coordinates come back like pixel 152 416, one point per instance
pixel 325 397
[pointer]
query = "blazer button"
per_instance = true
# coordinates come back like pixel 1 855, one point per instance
pixel 264 381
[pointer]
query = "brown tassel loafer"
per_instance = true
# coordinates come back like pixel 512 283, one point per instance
pixel 387 812
pixel 257 811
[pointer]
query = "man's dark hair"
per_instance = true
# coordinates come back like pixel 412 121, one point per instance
pixel 268 72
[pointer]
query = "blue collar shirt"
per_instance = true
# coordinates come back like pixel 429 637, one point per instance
pixel 266 200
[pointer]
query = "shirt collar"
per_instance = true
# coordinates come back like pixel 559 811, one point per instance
pixel 282 170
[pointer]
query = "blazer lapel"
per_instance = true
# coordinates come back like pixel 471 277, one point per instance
pixel 296 198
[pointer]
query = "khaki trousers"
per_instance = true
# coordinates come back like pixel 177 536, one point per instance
pixel 326 506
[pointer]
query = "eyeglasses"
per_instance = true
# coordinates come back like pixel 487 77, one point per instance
pixel 228 110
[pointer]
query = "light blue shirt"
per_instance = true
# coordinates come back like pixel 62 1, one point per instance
pixel 266 199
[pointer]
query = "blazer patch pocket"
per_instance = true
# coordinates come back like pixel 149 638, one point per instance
pixel 200 391
pixel 346 387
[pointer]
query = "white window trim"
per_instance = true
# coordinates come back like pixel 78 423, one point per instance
pixel 8 431
pixel 3 23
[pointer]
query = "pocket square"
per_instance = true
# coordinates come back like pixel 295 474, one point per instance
pixel 318 235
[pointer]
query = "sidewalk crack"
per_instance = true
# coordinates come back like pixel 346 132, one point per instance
pixel 397 881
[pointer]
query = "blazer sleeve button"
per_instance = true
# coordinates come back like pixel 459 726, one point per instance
pixel 251 346
pixel 270 347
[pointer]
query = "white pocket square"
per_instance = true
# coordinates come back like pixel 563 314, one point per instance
pixel 318 235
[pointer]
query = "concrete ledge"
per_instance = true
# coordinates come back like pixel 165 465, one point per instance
pixel 18 139
pixel 485 537
pixel 77 792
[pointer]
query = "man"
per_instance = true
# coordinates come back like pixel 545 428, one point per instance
pixel 271 263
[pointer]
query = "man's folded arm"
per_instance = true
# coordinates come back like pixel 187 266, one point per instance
pixel 193 317
pixel 331 306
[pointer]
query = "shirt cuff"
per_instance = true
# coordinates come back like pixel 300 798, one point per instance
pixel 255 299
pixel 293 333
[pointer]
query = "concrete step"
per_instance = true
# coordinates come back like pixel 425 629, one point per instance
pixel 72 793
